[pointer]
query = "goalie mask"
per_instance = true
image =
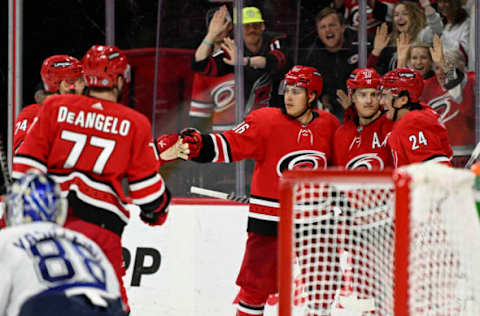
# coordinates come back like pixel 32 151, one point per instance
pixel 35 197
pixel 103 64
pixel 58 68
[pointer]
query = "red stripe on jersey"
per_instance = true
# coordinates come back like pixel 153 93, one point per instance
pixel 220 146
pixel 22 164
pixel 148 194
pixel 93 193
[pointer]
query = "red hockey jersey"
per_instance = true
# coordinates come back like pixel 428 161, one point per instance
pixel 23 123
pixel 352 14
pixel 214 97
pixel 276 143
pixel 89 145
pixel 364 146
pixel 419 136
pixel 459 119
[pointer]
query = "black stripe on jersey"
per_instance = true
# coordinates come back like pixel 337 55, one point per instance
pixel 95 215
pixel 263 198
pixel 435 156
pixel 143 179
pixel 253 308
pixel 262 227
pixel 32 158
pixel 88 176
pixel 229 151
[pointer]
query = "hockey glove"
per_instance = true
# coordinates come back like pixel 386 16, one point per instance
pixel 170 147
pixel 193 138
pixel 158 215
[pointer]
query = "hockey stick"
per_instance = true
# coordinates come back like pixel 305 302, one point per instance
pixel 7 180
pixel 219 195
pixel 473 157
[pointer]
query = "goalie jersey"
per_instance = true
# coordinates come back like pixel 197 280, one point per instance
pixel 89 146
pixel 364 147
pixel 277 143
pixel 419 136
pixel 39 258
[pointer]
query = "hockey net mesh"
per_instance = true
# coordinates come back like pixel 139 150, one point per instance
pixel 343 246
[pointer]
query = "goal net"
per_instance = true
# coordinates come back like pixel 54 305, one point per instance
pixel 379 243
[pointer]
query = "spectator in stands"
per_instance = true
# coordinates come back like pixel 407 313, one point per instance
pixel 410 24
pixel 213 98
pixel 418 57
pixel 335 54
pixel 451 92
pixel 456 32
pixel 266 59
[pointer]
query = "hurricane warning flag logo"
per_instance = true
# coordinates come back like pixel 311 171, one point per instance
pixel 370 161
pixel 302 159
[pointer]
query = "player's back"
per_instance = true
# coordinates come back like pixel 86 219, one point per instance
pixel 89 146
pixel 42 258
pixel 419 136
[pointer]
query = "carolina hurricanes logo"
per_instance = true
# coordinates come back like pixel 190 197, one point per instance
pixel 443 106
pixel 224 95
pixel 368 161
pixel 302 159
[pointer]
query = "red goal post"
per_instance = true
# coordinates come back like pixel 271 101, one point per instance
pixel 404 242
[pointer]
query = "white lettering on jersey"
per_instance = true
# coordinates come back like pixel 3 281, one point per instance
pixel 369 161
pixel 376 141
pixel 357 140
pixel 302 159
pixel 417 141
pixel 98 121
pixel 240 129
pixel 21 125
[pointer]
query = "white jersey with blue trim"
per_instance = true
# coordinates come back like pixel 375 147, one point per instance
pixel 44 257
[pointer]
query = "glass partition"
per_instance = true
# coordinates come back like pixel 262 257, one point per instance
pixel 160 44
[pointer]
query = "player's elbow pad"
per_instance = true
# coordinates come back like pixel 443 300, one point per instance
pixel 155 213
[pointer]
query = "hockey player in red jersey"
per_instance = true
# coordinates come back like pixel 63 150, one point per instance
pixel 89 144
pixel 361 142
pixel 60 74
pixel 297 136
pixel 418 135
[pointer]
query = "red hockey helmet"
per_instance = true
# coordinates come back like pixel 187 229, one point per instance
pixel 404 79
pixel 363 78
pixel 306 77
pixel 57 68
pixel 102 65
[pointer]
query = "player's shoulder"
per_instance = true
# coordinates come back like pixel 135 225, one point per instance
pixel 266 113
pixel 346 128
pixel 325 116
pixel 30 110
pixel 418 119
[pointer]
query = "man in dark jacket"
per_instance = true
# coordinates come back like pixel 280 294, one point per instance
pixel 335 54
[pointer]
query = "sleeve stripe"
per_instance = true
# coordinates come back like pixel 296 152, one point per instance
pixel 215 147
pixel 150 198
pixel 30 162
pixel 146 183
pixel 199 114
pixel 203 105
pixel 437 159
pixel 225 149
